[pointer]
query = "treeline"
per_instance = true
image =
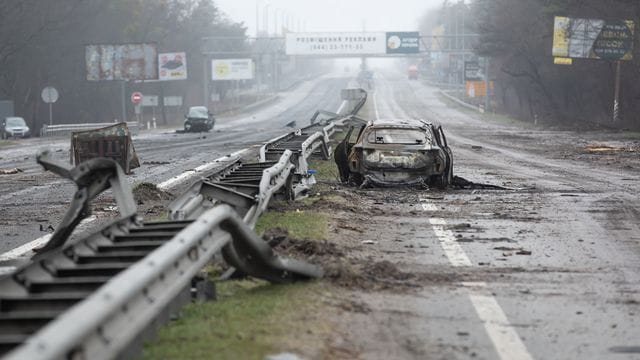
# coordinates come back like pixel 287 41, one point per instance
pixel 42 43
pixel 517 35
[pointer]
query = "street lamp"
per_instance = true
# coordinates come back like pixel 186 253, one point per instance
pixel 276 19
pixel 265 18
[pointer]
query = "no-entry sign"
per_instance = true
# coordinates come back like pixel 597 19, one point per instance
pixel 136 97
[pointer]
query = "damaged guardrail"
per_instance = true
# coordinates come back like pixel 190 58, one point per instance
pixel 247 187
pixel 106 323
pixel 67 129
pixel 93 297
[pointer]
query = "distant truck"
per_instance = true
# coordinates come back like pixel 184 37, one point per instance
pixel 412 72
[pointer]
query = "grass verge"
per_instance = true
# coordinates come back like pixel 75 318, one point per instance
pixel 250 320
pixel 253 318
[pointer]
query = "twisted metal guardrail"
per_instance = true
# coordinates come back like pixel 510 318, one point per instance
pixel 248 187
pixel 67 129
pixel 108 321
pixel 91 298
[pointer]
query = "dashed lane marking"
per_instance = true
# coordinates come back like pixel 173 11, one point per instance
pixel 504 337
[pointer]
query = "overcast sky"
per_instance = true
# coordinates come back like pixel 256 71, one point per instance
pixel 331 15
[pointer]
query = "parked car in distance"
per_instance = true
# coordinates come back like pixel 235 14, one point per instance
pixel 396 152
pixel 14 126
pixel 199 119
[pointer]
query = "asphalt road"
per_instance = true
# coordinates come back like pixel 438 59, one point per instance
pixel 547 269
pixel 33 200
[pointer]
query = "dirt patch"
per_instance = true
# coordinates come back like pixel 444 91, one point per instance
pixel 145 192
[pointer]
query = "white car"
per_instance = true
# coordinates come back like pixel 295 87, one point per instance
pixel 14 126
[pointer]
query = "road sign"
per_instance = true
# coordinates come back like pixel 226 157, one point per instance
pixel 173 101
pixel 150 100
pixel 50 95
pixel 407 42
pixel 136 97
pixel 472 71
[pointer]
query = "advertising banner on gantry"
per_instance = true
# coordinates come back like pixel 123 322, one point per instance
pixel 593 38
pixel 344 43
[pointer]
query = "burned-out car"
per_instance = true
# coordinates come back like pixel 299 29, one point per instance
pixel 395 152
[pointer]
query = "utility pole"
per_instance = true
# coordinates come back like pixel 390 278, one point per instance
pixel 616 94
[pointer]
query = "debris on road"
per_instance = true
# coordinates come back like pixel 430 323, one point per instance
pixel 10 171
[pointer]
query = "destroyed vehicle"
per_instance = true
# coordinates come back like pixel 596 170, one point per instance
pixel 395 152
pixel 198 119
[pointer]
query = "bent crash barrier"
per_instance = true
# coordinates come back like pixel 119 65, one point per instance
pixel 93 297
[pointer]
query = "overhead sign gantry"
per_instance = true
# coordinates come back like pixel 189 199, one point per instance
pixel 353 43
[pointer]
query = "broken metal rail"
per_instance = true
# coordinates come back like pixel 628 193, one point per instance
pixel 247 187
pixel 95 297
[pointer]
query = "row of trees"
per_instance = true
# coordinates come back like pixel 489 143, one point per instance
pixel 517 36
pixel 42 43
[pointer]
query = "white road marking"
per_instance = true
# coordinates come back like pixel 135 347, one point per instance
pixel 453 250
pixel 342 106
pixel 375 105
pixel 202 168
pixel 504 337
pixel 21 251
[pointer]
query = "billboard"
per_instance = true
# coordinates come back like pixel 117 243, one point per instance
pixel 172 66
pixel 403 42
pixel 593 38
pixel 344 43
pixel 121 62
pixel 231 69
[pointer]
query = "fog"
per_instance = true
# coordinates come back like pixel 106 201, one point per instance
pixel 329 15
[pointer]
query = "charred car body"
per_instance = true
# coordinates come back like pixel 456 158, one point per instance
pixel 395 152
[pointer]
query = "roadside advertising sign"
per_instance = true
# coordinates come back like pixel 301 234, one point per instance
pixel 475 89
pixel 403 42
pixel 231 69
pixel 343 43
pixel 172 66
pixel 121 62
pixel 593 38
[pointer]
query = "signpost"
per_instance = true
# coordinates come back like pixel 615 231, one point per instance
pixel 50 95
